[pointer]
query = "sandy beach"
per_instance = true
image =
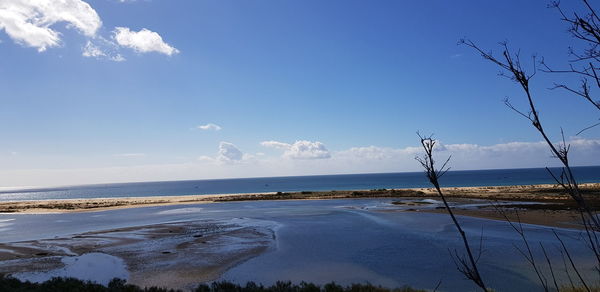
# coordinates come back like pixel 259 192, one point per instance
pixel 538 193
pixel 556 208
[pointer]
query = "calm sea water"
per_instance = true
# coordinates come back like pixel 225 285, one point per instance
pixel 466 178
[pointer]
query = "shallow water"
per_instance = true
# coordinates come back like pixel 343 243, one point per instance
pixel 98 267
pixel 346 241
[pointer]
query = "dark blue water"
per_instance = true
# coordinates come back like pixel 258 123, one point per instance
pixel 467 178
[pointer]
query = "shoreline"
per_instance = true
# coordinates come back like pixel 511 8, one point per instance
pixel 554 208
pixel 547 193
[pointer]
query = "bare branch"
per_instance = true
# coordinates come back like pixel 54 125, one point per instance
pixel 466 265
pixel 564 248
pixel 511 63
pixel 550 267
pixel 587 128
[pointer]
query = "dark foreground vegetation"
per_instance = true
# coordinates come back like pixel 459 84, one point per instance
pixel 118 285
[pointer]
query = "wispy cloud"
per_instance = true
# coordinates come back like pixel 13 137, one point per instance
pixel 301 149
pixel 210 126
pixel 102 49
pixel 91 50
pixel 130 155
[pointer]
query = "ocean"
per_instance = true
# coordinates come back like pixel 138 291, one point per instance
pixel 466 178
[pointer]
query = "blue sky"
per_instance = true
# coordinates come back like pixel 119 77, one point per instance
pixel 295 87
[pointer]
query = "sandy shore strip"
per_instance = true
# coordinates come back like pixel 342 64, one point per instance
pixel 552 195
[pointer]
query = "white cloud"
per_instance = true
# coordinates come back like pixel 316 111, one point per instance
pixel 307 150
pixel 30 22
pixel 142 41
pixel 370 153
pixel 205 158
pixel 229 152
pixel 210 126
pixel 300 149
pixel 34 23
pixel 117 58
pixel 585 144
pixel 275 144
pixel 231 162
pixel 463 157
pixel 518 154
pixel 91 50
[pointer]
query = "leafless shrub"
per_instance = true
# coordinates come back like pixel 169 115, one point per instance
pixel 584 28
pixel 466 265
pixel 585 63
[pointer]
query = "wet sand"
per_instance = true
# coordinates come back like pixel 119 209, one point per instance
pixel 178 255
pixel 516 213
